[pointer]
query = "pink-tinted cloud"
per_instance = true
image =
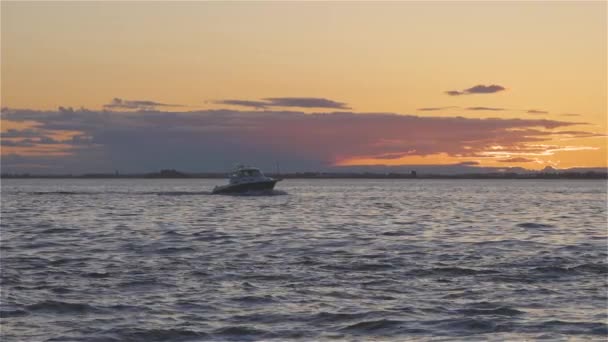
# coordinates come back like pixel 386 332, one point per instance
pixel 516 160
pixel 216 139
pixel 469 163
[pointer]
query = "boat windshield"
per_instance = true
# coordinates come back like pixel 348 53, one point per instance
pixel 247 173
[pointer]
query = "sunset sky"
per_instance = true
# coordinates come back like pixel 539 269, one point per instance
pixel 200 86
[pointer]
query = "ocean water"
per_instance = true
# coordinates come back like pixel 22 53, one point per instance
pixel 316 260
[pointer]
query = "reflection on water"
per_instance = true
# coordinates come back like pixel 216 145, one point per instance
pixel 162 260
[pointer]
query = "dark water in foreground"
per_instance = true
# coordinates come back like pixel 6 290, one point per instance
pixel 162 260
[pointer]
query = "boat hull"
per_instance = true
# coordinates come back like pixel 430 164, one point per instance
pixel 245 187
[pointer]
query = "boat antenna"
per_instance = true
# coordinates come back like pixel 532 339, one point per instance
pixel 278 171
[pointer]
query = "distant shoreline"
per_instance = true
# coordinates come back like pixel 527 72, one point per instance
pixel 172 174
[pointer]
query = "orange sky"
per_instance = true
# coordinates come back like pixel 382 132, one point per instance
pixel 392 57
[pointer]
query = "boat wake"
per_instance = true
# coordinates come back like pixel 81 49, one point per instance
pixel 256 193
pixel 182 193
pixel 90 193
pixel 158 193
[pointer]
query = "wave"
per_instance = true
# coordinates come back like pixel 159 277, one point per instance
pixel 60 290
pixel 450 271
pixel 96 275
pixel 159 193
pixel 561 327
pixel 465 326
pixel 592 268
pixel 534 225
pixel 153 335
pixel 254 299
pixel 360 267
pixel 398 233
pixel 541 274
pixel 59 193
pixel 240 332
pixel 57 307
pixel 501 311
pixel 179 193
pixel 264 317
pixel 58 230
pixel 12 313
pixel 175 250
pixel 339 316
pixel 575 270
pixel 257 193
pixel 371 326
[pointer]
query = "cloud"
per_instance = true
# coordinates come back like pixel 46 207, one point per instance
pixel 299 102
pixel 536 111
pixel 306 102
pixel 537 150
pixel 48 141
pixel 469 163
pixel 579 134
pixel 18 143
pixel 482 89
pixel 118 103
pixel 517 160
pixel 244 103
pixel 570 114
pixel 214 140
pixel 485 108
pixel 430 109
pixel 478 89
pixel 24 133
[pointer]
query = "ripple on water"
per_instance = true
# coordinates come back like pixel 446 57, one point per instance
pixel 464 326
pixel 161 260
pixel 254 300
pixel 450 271
pixel 501 311
pixel 57 307
pixel 152 335
pixel 374 326
pixel 534 225
pixel 241 333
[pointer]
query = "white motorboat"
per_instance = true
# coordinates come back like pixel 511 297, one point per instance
pixel 246 179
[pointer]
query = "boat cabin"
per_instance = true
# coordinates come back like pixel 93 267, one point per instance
pixel 246 175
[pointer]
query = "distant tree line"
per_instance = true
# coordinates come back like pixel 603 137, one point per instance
pixel 171 173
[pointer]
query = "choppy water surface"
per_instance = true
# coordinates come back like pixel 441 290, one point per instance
pixel 156 260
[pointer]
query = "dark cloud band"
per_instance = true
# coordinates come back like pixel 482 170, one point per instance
pixel 215 139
